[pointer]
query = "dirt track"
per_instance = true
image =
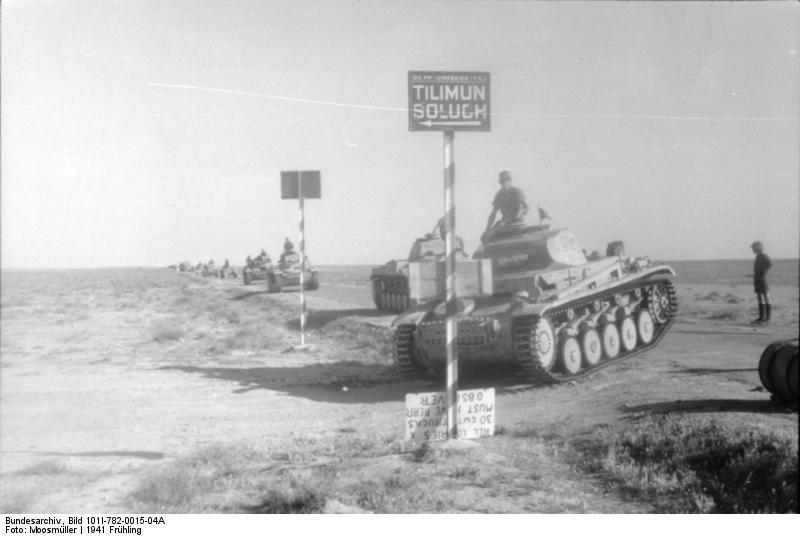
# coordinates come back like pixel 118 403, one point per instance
pixel 116 405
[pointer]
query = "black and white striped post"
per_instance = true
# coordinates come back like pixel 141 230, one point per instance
pixel 301 185
pixel 302 263
pixel 448 101
pixel 451 327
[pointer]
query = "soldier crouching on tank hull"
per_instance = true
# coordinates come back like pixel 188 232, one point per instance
pixel 509 201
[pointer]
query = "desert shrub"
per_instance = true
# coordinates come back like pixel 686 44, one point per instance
pixel 294 499
pixel 393 493
pixel 171 489
pixel 189 484
pixel 686 465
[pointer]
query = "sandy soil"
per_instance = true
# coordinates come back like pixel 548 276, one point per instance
pixel 105 375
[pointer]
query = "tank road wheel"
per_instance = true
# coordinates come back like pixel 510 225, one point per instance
pixel 627 331
pixel 570 355
pixel 610 340
pixel 544 343
pixel 592 347
pixel 658 303
pixel 644 325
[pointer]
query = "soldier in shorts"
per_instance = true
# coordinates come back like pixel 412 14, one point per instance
pixel 760 269
pixel 509 202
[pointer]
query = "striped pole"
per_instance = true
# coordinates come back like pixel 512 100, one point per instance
pixel 450 268
pixel 302 262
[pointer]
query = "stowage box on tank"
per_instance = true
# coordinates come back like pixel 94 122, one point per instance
pixel 532 298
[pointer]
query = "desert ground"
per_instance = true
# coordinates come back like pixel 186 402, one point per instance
pixel 142 390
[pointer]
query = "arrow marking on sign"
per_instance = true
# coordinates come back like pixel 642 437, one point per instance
pixel 430 123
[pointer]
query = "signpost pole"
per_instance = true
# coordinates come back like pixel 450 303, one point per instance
pixel 302 262
pixel 450 268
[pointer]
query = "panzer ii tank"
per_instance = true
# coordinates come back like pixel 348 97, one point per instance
pixel 258 268
pixel 210 269
pixel 390 281
pixel 530 297
pixel 287 272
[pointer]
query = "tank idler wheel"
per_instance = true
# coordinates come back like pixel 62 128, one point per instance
pixel 611 341
pixel 658 304
pixel 544 343
pixel 570 355
pixel 627 331
pixel 644 325
pixel 592 347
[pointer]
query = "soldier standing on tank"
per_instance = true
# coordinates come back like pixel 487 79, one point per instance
pixel 509 201
pixel 760 269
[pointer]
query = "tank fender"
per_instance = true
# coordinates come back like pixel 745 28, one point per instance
pixel 528 309
pixel 414 317
pixel 656 270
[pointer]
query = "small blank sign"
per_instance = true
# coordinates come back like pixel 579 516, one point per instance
pixel 291 181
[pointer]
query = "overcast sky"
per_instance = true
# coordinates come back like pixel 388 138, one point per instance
pixel 147 132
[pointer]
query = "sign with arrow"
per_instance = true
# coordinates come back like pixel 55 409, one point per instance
pixel 448 100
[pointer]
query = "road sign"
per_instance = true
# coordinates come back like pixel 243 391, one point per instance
pixel 448 100
pixel 290 184
pixel 426 415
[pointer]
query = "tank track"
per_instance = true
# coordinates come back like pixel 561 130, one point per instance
pixel 403 342
pixel 390 293
pixel 524 327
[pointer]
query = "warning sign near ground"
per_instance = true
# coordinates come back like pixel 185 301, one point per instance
pixel 426 415
pixel 448 101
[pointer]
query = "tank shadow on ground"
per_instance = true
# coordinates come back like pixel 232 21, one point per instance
pixel 319 382
pixel 709 405
pixel 319 319
pixel 362 384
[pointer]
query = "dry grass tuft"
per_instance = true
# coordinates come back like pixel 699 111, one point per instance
pixel 694 465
